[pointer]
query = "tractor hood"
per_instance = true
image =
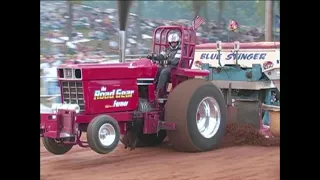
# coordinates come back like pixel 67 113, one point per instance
pixel 142 68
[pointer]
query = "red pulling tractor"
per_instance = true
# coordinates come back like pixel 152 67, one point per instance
pixel 111 101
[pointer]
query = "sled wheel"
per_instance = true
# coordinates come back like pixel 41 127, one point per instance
pixel 55 147
pixel 103 134
pixel 198 109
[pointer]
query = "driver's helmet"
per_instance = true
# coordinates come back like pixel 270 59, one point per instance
pixel 174 40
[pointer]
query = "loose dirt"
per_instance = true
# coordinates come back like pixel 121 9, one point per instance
pixel 241 162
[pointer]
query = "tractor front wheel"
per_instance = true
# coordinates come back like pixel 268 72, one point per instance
pixel 199 111
pixel 103 134
pixel 56 147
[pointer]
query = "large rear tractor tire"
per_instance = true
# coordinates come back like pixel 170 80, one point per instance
pixel 103 134
pixel 199 111
pixel 55 147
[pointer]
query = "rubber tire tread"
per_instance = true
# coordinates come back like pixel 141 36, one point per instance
pixel 55 148
pixel 93 136
pixel 181 108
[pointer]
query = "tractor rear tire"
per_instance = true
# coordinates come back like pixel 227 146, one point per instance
pixel 54 147
pixel 101 128
pixel 182 108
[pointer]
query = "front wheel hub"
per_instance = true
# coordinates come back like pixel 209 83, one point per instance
pixel 107 134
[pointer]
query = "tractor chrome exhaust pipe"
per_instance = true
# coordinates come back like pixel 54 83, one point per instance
pixel 123 12
pixel 122 46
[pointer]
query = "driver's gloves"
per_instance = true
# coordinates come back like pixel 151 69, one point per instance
pixel 149 56
pixel 152 55
pixel 162 56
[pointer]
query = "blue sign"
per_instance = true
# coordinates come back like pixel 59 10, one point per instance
pixel 234 56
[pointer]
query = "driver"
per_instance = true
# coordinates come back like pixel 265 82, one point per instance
pixel 170 57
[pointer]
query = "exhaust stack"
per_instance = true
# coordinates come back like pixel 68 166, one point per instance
pixel 122 46
pixel 123 12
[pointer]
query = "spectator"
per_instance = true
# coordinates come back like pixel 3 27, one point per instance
pixel 43 66
pixel 51 80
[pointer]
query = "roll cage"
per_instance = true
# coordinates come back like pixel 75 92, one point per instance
pixel 188 42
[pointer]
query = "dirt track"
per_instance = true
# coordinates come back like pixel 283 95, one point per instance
pixel 159 163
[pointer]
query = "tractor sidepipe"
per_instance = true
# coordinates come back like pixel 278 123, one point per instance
pixel 123 12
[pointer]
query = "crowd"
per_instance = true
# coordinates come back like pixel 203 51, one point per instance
pixel 93 31
pixel 96 29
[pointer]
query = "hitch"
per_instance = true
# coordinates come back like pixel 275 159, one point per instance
pixel 153 123
pixel 232 111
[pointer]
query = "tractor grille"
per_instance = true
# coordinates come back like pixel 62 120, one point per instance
pixel 72 92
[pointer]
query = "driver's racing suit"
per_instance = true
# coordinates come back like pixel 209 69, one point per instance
pixel 163 75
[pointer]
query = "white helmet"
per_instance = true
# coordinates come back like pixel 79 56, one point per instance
pixel 174 40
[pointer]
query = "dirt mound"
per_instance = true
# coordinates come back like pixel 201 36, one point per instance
pixel 245 134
